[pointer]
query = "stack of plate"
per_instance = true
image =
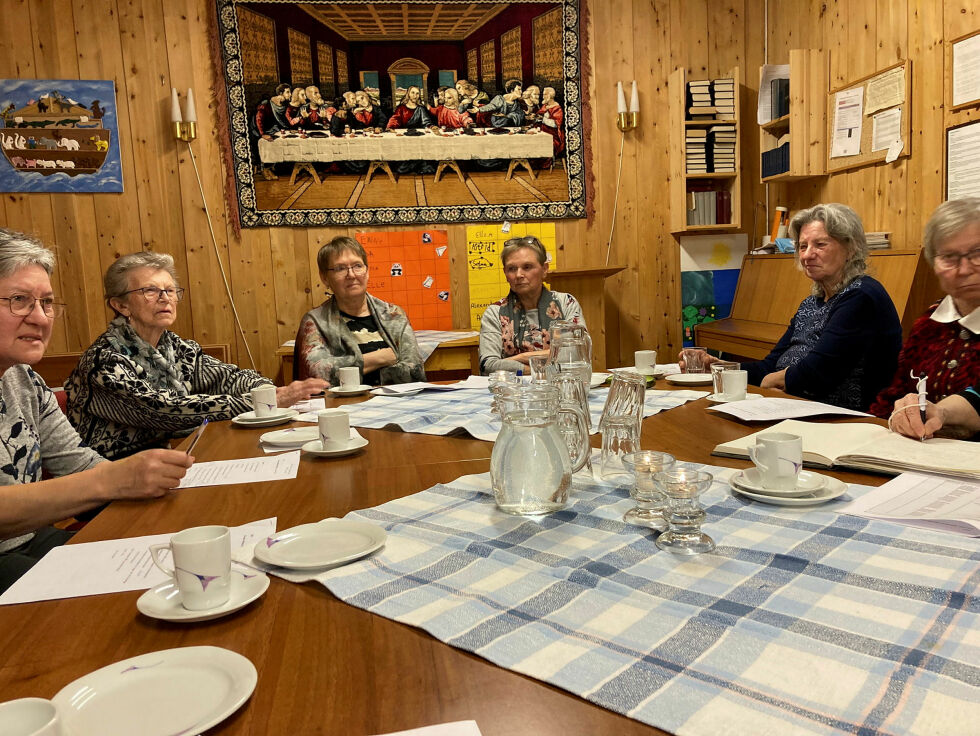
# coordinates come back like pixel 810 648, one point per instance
pixel 281 415
pixel 811 488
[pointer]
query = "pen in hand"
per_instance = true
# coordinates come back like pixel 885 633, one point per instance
pixel 920 387
pixel 197 436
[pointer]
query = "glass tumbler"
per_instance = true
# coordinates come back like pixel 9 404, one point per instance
pixel 694 359
pixel 682 487
pixel 650 500
pixel 497 381
pixel 717 368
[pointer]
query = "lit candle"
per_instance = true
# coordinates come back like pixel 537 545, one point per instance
pixel 620 97
pixel 190 116
pixel 174 105
pixel 635 99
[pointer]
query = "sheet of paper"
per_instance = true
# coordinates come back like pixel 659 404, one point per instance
pixel 112 566
pixel 771 408
pixel 885 90
pixel 847 123
pixel 925 500
pixel 963 162
pixel 459 728
pixel 886 128
pixel 966 70
pixel 246 470
pixel 416 386
pixel 769 73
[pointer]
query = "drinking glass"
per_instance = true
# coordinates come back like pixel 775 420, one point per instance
pixel 620 437
pixel 684 515
pixel 650 500
pixel 717 368
pixel 539 368
pixel 499 380
pixel 621 419
pixel 694 359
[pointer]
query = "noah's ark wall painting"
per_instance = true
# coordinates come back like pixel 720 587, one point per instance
pixel 59 135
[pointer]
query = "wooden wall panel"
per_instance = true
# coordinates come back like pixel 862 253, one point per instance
pixel 147 46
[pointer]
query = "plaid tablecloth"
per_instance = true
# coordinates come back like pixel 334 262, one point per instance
pixel 443 412
pixel 803 621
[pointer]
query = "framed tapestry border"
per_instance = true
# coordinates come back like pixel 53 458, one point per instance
pixel 244 158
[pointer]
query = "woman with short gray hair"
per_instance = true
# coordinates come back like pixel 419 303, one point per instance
pixel 139 385
pixel 842 344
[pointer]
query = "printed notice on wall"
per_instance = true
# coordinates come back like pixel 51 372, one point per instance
pixel 847 123
pixel 963 161
pixel 886 128
pixel 885 90
pixel 966 70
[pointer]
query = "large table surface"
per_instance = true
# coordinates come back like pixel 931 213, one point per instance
pixel 324 666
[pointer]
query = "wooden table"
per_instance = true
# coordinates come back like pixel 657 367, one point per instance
pixel 324 666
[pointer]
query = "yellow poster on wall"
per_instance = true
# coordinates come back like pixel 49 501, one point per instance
pixel 486 274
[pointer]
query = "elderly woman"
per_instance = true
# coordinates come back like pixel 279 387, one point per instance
pixel 842 343
pixel 518 327
pixel 353 328
pixel 139 385
pixel 944 343
pixel 36 435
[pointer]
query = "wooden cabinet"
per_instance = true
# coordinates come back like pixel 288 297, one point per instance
pixel 804 128
pixel 684 186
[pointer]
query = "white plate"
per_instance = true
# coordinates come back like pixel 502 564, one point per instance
pixel 598 379
pixel 658 372
pixel 720 398
pixel 689 379
pixel 751 480
pixel 833 489
pixel 281 416
pixel 327 542
pixel 163 601
pixel 379 391
pixel 290 437
pixel 315 447
pixel 174 691
pixel 349 391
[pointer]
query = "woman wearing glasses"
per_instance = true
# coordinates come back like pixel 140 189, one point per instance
pixel 944 344
pixel 353 328
pixel 36 436
pixel 139 384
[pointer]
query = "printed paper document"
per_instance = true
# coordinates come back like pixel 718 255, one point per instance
pixel 930 501
pixel 246 470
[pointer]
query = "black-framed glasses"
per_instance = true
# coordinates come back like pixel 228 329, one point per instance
pixel 356 268
pixel 22 305
pixel 950 261
pixel 153 293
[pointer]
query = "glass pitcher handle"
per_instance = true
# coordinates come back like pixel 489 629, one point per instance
pixel 582 439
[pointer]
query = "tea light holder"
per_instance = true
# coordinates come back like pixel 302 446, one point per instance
pixel 651 502
pixel 684 515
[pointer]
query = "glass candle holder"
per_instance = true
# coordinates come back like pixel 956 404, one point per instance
pixel 650 500
pixel 684 514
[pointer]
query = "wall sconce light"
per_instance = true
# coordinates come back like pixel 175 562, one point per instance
pixel 185 124
pixel 627 120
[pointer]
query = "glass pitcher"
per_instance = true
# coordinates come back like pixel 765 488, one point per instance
pixel 531 466
pixel 571 351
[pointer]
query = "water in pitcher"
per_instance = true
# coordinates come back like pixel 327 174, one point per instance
pixel 530 469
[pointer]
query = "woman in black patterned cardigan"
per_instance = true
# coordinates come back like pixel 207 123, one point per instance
pixel 139 384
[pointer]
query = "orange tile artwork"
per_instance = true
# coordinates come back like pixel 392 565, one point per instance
pixel 411 269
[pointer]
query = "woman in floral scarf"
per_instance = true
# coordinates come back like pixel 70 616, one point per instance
pixel 518 327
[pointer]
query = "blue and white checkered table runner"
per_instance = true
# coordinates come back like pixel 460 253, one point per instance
pixel 803 621
pixel 443 412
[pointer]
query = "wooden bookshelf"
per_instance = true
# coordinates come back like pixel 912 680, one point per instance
pixel 683 184
pixel 806 123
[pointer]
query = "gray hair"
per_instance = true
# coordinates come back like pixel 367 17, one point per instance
pixel 18 250
pixel 947 221
pixel 116 281
pixel 842 224
pixel 515 244
pixel 337 246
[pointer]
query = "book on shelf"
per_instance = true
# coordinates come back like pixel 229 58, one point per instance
pixel 775 161
pixel 697 133
pixel 780 98
pixel 878 241
pixel 702 110
pixel 869 447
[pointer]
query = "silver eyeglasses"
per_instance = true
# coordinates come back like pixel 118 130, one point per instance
pixel 153 293
pixel 950 261
pixel 356 268
pixel 22 305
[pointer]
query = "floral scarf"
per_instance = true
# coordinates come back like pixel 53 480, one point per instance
pixel 160 362
pixel 517 335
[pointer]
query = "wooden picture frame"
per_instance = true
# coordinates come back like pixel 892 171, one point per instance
pixel 971 42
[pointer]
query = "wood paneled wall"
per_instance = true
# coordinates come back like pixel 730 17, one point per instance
pixel 147 46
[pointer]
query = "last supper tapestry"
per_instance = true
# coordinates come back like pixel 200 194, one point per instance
pixel 356 113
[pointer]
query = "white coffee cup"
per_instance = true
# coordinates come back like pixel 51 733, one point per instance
pixel 645 362
pixel 734 385
pixel 779 458
pixel 29 717
pixel 202 565
pixel 334 427
pixel 350 377
pixel 264 400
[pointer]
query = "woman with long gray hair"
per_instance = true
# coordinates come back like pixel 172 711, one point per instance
pixel 139 384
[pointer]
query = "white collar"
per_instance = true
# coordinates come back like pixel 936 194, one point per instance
pixel 947 312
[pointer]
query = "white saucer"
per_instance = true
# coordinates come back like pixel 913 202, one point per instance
pixel 327 542
pixel 315 447
pixel 379 391
pixel 163 601
pixel 349 391
pixel 658 372
pixel 186 690
pixel 280 416
pixel 720 398
pixel 290 437
pixel 598 379
pixel 833 489
pixel 689 379
pixel 750 480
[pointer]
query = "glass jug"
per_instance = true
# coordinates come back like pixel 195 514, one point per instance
pixel 571 351
pixel 530 466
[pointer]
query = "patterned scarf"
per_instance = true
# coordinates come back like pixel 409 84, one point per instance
pixel 512 313
pixel 159 362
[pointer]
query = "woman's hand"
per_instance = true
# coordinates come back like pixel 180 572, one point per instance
pixel 379 359
pixel 525 358
pixel 706 360
pixel 148 474
pixel 906 419
pixel 300 391
pixel 775 380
